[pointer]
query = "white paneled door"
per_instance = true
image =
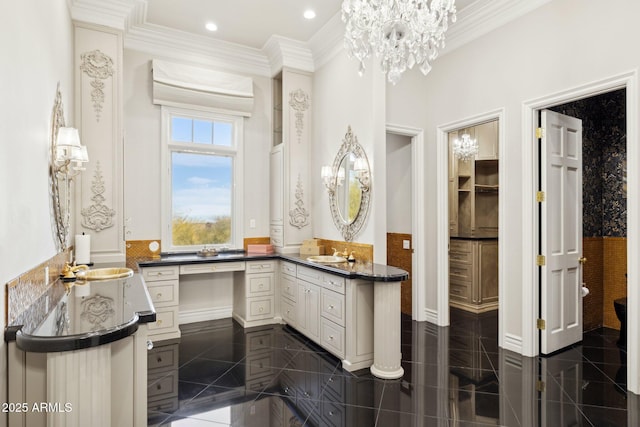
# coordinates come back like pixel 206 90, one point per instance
pixel 561 231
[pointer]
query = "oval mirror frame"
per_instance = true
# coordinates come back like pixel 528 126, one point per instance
pixel 350 226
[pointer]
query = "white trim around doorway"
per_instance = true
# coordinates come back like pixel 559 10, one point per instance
pixel 442 153
pixel 418 289
pixel 530 297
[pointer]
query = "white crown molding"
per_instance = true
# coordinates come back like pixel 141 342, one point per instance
pixel 286 52
pixel 169 43
pixel 112 13
pixel 328 41
pixel 480 18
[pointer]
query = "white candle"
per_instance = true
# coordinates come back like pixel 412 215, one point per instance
pixel 83 249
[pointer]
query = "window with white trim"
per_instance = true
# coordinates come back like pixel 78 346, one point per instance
pixel 201 180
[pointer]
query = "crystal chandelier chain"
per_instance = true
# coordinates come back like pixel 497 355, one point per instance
pixel 465 148
pixel 402 33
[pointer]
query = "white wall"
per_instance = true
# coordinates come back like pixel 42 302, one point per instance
pixel 36 52
pixel 399 206
pixel 338 103
pixel 564 44
pixel 142 152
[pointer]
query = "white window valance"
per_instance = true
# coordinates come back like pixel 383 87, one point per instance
pixel 187 86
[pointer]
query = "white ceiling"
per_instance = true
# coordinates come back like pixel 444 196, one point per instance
pixel 248 22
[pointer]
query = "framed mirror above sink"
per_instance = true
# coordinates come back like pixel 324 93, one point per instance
pixel 348 183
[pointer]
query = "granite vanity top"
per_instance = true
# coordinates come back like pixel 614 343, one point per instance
pixel 88 314
pixel 357 270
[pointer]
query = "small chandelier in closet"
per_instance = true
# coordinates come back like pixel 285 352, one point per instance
pixel 465 148
pixel 402 33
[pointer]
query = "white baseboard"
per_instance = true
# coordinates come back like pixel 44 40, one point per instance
pixel 204 314
pixel 431 315
pixel 513 343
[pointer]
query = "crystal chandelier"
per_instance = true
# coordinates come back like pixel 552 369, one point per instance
pixel 402 33
pixel 465 148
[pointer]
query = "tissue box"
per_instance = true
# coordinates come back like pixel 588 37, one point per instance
pixel 260 249
pixel 311 242
pixel 311 250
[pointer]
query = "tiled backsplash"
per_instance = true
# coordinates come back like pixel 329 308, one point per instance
pixel 27 288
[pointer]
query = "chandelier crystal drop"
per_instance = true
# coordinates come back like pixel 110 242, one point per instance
pixel 465 148
pixel 402 33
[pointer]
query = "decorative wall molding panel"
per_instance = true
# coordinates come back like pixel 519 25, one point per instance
pixel 97 217
pixel 99 67
pixel 99 191
pixel 299 101
pixel 299 217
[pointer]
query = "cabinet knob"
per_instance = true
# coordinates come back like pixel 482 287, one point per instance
pixel 159 360
pixel 261 309
pixel 149 345
pixel 331 413
pixel 330 307
pixel 159 295
pixel 159 322
pixel 330 337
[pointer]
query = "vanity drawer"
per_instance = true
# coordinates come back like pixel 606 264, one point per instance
pixel 460 271
pixel 213 267
pixel 460 290
pixel 164 293
pixel 164 405
pixel 163 357
pixel 260 267
pixel 260 284
pixel 288 312
pixel 257 366
pixel 165 385
pixel 333 415
pixel 288 268
pixel 459 246
pixel 310 275
pixel 332 337
pixel 289 288
pixel 259 308
pixel 461 257
pixel 166 319
pixel 333 282
pixel 151 274
pixel 333 306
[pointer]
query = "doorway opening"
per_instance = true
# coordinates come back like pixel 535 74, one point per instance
pixel 603 260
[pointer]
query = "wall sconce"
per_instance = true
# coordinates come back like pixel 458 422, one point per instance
pixel 69 154
pixel 327 178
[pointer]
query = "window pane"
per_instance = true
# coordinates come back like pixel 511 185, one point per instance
pixel 222 133
pixel 201 205
pixel 202 131
pixel 181 129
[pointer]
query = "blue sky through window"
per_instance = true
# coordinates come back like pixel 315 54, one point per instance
pixel 201 186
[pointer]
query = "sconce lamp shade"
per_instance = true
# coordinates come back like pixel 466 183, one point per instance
pixel 325 172
pixel 68 137
pixel 79 154
pixel 360 165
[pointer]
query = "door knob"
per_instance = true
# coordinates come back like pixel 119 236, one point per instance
pixel 582 260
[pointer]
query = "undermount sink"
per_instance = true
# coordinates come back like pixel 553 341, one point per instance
pixel 104 273
pixel 326 259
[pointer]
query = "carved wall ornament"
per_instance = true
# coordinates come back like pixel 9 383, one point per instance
pixel 97 310
pixel 299 217
pixel 97 216
pixel 99 67
pixel 299 101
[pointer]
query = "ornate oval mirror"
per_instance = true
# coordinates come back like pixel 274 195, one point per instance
pixel 349 188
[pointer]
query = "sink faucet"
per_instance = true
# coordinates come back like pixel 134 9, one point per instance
pixel 343 254
pixel 68 272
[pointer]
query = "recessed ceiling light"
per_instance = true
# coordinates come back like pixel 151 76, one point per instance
pixel 211 26
pixel 309 14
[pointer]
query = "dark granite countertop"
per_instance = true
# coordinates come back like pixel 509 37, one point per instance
pixel 361 270
pixel 480 235
pixel 88 314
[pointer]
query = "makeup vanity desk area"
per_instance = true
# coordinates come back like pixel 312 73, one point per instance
pixel 351 310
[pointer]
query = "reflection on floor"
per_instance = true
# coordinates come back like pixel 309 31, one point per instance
pixel 221 375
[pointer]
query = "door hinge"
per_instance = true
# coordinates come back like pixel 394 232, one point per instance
pixel 540 196
pixel 540 386
pixel 541 260
pixel 539 133
pixel 541 324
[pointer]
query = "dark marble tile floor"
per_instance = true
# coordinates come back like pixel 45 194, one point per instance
pixel 219 374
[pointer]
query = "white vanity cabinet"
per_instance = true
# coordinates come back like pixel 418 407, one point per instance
pixel 254 294
pixel 162 284
pixel 333 311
